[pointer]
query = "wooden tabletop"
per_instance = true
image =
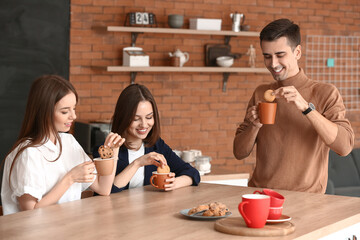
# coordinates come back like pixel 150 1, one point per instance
pixel 147 213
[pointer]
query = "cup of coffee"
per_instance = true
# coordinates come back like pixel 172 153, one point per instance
pixel 158 180
pixel 104 166
pixel 267 112
pixel 254 208
pixel 276 199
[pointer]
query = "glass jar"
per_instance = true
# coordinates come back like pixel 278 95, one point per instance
pixel 202 164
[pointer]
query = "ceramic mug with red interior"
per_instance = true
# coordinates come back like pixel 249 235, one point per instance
pixel 254 208
pixel 276 199
pixel 276 203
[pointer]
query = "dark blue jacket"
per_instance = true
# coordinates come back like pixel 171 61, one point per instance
pixel 176 164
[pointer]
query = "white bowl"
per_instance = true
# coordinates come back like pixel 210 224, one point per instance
pixel 225 61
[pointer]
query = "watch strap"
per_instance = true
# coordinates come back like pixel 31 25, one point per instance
pixel 309 109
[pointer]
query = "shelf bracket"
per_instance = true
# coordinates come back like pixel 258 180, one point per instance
pixel 132 77
pixel 134 36
pixel 225 80
pixel 227 39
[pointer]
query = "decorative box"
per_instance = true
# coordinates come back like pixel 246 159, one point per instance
pixel 205 24
pixel 135 57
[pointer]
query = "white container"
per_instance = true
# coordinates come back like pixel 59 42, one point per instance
pixel 205 24
pixel 135 57
pixel 188 156
pixel 225 61
pixel 202 164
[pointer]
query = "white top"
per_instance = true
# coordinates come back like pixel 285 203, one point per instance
pixel 34 172
pixel 138 179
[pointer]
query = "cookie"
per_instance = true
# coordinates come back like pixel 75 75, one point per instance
pixel 211 209
pixel 165 169
pixel 268 96
pixel 198 209
pixel 208 213
pixel 105 152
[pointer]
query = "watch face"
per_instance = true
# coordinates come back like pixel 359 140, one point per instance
pixel 311 106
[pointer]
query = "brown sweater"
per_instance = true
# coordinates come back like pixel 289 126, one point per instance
pixel 290 154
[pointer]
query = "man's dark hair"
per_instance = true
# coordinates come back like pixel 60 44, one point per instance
pixel 282 28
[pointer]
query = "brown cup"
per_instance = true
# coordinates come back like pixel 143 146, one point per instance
pixel 267 112
pixel 104 166
pixel 158 180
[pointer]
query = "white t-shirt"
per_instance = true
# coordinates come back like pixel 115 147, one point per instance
pixel 138 179
pixel 34 172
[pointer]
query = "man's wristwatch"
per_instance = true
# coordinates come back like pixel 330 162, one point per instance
pixel 310 108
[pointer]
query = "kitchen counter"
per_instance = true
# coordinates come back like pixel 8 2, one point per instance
pixel 148 213
pixel 220 175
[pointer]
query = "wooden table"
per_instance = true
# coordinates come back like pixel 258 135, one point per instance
pixel 147 213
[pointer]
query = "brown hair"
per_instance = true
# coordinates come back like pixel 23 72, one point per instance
pixel 38 121
pixel 125 111
pixel 282 28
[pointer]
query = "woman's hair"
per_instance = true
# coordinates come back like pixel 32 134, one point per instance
pixel 125 111
pixel 282 28
pixel 38 123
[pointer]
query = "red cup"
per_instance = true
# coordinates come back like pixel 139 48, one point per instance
pixel 275 213
pixel 276 199
pixel 254 208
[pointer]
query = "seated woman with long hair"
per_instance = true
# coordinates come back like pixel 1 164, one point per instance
pixel 46 165
pixel 136 118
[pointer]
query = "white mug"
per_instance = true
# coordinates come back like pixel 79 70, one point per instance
pixel 196 152
pixel 188 156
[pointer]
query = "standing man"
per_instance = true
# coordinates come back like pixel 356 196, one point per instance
pixel 293 153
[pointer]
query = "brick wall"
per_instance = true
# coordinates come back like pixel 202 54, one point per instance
pixel 195 112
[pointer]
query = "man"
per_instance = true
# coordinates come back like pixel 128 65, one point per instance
pixel 293 153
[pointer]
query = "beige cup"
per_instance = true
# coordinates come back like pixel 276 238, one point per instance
pixel 158 180
pixel 104 166
pixel 267 112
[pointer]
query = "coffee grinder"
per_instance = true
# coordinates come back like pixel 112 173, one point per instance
pixel 237 19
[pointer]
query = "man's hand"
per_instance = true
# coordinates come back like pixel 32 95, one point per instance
pixel 291 94
pixel 252 115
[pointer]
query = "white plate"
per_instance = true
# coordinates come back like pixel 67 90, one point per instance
pixel 283 218
pixel 185 213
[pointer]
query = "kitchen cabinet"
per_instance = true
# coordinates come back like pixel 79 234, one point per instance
pixel 225 70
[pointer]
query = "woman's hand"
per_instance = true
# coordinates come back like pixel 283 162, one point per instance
pixel 152 158
pixel 114 141
pixel 177 182
pixel 82 173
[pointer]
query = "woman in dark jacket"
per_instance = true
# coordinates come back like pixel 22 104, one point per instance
pixel 136 118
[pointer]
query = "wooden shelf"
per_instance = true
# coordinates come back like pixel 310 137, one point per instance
pixel 225 71
pixel 181 31
pixel 186 69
